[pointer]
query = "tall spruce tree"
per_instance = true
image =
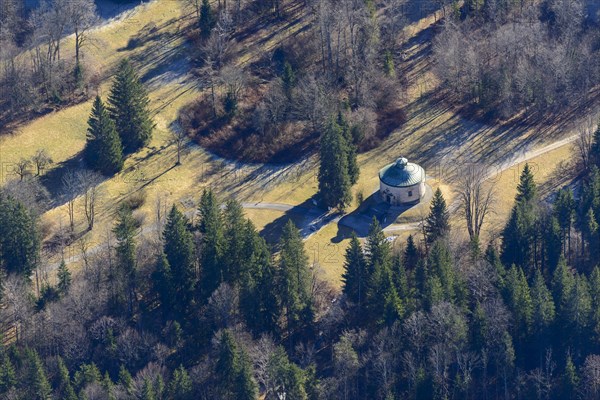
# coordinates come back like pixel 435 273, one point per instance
pixel 379 252
pixel 518 298
pixel 103 150
pixel 353 169
pixel 37 381
pixel 245 387
pixel 288 380
pixel 380 299
pixel 128 105
pixel 125 231
pixel 207 19
pixel 294 278
pixel 181 386
pixel 227 364
pixel 8 377
pixel 520 233
pixel 564 209
pixel 355 275
pixel 437 224
pixel 440 267
pixel 543 307
pixel 64 278
pixel 237 249
pixel 179 251
pixel 19 237
pixel 258 300
pixel 212 247
pixel 335 180
pixel 595 298
pixel 163 285
pixel 411 253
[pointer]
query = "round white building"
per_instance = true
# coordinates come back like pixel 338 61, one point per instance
pixel 402 182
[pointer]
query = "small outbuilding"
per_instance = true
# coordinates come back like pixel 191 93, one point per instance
pixel 402 183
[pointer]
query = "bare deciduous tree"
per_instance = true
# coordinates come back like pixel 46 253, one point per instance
pixel 81 17
pixel 476 195
pixel 70 191
pixel 22 168
pixel 584 142
pixel 88 183
pixel 41 160
pixel 179 136
pixel 17 297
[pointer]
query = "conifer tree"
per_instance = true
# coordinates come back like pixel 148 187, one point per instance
pixel 578 310
pixel 570 380
pixel 64 278
pixel 103 150
pixel 334 175
pixel 595 299
pixel 128 105
pixel 389 68
pixel 236 251
pixel 65 386
pixel 553 241
pixel 386 307
pixel 526 189
pixel 125 378
pixel 289 80
pixel 179 251
pixel 379 252
pixel 519 234
pixel 212 243
pixel 564 207
pixel 518 298
pixel 543 305
pixel 411 253
pixel 294 277
pixel 125 230
pixel 289 380
pixel 207 19
pixel 148 390
pixel 245 386
pixel 400 277
pixel 590 234
pixel 437 224
pixel 563 282
pixel 355 274
pixel 19 237
pixel 162 281
pixel 353 169
pixel 38 383
pixel 258 300
pixel 227 365
pixel 181 387
pixel 440 266
pixel 8 378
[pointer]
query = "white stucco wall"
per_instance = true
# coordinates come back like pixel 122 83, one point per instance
pixel 400 195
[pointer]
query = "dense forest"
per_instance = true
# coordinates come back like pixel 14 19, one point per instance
pixel 207 309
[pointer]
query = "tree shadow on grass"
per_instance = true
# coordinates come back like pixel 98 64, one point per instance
pixel 359 221
pixel 52 180
pixel 307 217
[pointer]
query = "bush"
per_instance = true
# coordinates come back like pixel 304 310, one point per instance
pixel 136 200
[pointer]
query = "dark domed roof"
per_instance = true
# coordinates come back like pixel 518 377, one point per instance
pixel 402 173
